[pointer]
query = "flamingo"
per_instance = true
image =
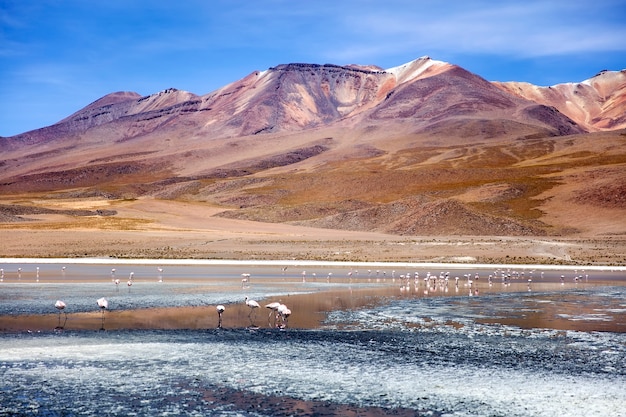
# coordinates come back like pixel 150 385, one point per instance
pixel 284 313
pixel 220 309
pixel 245 281
pixel 60 305
pixel 112 274
pixel 103 304
pixel 160 270
pixel 272 307
pixel 252 304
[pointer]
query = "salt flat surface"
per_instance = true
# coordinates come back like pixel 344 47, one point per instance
pixel 148 372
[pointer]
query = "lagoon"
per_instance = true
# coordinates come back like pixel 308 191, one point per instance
pixel 361 340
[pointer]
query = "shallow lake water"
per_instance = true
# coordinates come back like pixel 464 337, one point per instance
pixel 361 340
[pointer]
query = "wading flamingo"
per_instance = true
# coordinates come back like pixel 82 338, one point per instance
pixel 284 313
pixel 220 309
pixel 60 305
pixel 272 307
pixel 245 280
pixel 103 304
pixel 252 304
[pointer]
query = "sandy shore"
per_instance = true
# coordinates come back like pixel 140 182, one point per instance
pixel 354 247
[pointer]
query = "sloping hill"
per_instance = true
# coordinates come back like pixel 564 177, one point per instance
pixel 426 148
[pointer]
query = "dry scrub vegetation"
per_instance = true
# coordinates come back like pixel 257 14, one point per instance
pixel 550 200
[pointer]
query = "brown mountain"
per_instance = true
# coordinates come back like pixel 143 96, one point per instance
pixel 597 104
pixel 426 148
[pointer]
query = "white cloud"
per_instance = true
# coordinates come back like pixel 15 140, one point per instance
pixel 520 30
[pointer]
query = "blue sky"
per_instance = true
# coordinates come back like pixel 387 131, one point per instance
pixel 58 56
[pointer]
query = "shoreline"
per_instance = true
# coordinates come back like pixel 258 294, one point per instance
pixel 285 262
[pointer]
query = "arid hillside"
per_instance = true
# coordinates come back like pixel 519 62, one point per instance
pixel 426 149
pixel 597 104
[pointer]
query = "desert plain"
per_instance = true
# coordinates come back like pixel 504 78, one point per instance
pixel 159 229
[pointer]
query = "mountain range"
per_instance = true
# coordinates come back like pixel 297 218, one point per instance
pixel 425 148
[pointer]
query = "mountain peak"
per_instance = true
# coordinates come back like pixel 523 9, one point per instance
pixel 107 100
pixel 596 103
pixel 326 67
pixel 418 68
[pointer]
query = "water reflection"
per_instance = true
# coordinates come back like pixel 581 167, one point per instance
pixel 187 299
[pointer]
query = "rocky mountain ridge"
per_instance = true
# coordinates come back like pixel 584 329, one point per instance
pixel 299 96
pixel 423 148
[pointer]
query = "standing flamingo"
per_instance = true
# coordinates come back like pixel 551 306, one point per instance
pixel 272 307
pixel 60 305
pixel 220 309
pixel 160 270
pixel 252 304
pixel 103 304
pixel 245 280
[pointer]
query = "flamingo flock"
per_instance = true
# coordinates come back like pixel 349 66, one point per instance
pixel 278 316
pixel 279 313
